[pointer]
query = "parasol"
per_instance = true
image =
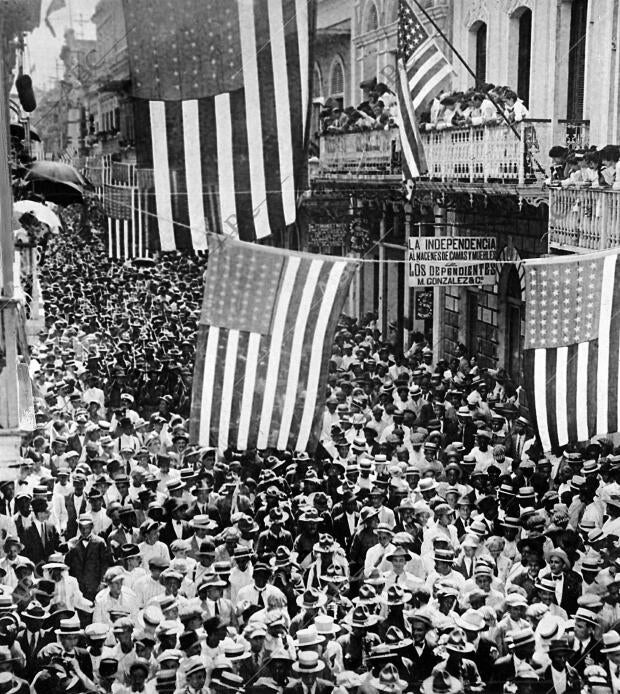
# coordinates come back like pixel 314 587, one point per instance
pixel 58 182
pixel 40 211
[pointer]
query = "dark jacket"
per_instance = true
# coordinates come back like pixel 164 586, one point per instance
pixel 72 526
pixel 485 656
pixel 342 532
pixel 573 682
pixel 36 547
pixel 502 670
pixel 31 652
pixel 168 536
pixel 88 563
pixel 571 590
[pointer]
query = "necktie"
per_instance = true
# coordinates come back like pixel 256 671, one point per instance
pixel 261 599
pixel 556 578
pixel 217 607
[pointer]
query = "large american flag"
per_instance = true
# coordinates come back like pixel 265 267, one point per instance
pixel 264 340
pixel 572 347
pixel 422 70
pixel 221 104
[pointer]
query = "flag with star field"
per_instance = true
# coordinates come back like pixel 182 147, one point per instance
pixel 221 91
pixel 572 347
pixel 264 339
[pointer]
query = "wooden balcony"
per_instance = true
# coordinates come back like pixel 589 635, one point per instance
pixel 584 219
pixel 471 155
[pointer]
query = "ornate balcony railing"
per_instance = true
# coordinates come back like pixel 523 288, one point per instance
pixel 489 154
pixel 476 154
pixel 584 219
pixel 374 153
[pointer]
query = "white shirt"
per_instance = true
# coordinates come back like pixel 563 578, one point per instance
pixel 351 521
pixel 559 680
pixel 559 587
pixel 177 526
pixel 77 503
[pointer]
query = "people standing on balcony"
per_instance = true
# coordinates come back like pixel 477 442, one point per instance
pixel 514 108
pixel 558 168
pixel 610 163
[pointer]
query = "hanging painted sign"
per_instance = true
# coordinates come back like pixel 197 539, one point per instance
pixel 435 261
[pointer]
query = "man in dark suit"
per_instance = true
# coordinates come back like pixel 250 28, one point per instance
pixel 504 668
pixel 176 528
pixel 421 653
pixel 559 677
pixel 77 440
pixel 465 565
pixel 306 669
pixel 40 538
pixel 7 501
pixel 585 647
pixel 31 638
pixel 88 558
pixel 570 581
pixel 346 522
pixel 68 636
pixel 472 623
pixel 76 504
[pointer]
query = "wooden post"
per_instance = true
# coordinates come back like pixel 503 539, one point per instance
pixel 407 322
pixel 6 197
pixel 382 317
pixel 438 292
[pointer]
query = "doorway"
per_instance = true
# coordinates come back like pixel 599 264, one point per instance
pixel 513 325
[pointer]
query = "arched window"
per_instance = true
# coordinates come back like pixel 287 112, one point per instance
pixel 317 82
pixel 372 17
pixel 525 55
pixel 577 59
pixel 480 63
pixel 336 80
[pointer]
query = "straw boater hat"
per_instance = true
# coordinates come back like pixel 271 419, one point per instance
pixel 308 661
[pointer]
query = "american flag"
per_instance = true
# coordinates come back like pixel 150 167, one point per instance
pixel 422 68
pixel 127 225
pixel 264 340
pixel 572 347
pixel 221 103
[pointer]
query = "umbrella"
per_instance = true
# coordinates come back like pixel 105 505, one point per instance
pixel 143 262
pixel 58 182
pixel 17 130
pixel 55 171
pixel 40 211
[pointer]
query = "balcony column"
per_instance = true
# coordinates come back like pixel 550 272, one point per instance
pixel 381 312
pixel 407 312
pixel 353 302
pixel 439 292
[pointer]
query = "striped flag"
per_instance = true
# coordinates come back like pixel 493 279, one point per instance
pixel 422 70
pixel 127 227
pixel 221 107
pixel 572 346
pixel 264 340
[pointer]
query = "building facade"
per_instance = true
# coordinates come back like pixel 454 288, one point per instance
pixel 561 59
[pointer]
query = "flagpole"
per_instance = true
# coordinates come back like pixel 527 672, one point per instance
pixel 471 72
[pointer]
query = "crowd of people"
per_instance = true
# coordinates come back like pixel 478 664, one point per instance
pixel 426 546
pixel 489 105
pixel 585 168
